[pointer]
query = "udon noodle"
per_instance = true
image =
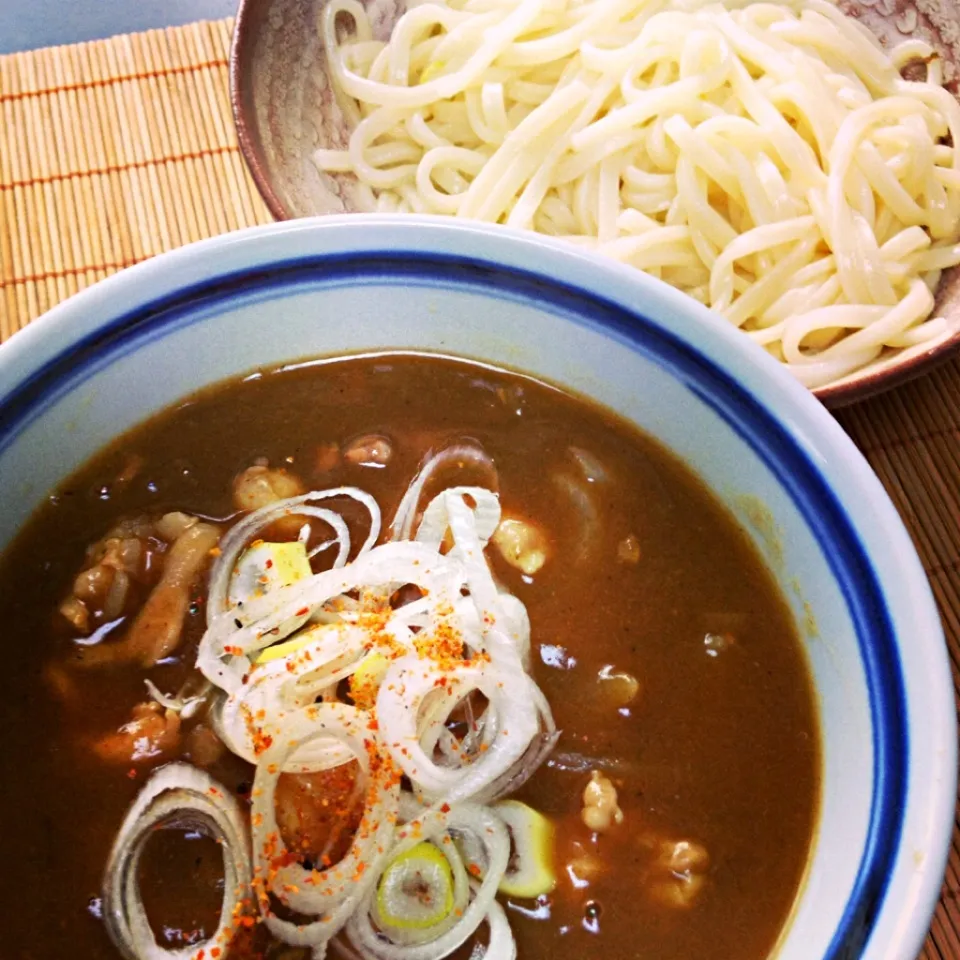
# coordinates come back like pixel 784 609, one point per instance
pixel 768 159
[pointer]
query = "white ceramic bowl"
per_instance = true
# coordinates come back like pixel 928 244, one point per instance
pixel 137 342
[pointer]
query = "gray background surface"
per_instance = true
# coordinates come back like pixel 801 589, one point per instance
pixel 27 24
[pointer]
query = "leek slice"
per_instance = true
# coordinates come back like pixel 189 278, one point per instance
pixel 263 567
pixel 416 890
pixel 530 872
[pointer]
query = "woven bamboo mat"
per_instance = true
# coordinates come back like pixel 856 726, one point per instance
pixel 113 151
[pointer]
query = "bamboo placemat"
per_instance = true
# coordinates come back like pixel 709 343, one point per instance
pixel 113 151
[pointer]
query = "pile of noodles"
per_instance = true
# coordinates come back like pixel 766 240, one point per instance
pixel 768 159
pixel 457 634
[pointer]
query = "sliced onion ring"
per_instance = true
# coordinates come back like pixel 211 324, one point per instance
pixel 437 517
pixel 276 690
pixel 511 722
pixel 177 795
pixel 329 895
pixel 224 656
pixel 500 944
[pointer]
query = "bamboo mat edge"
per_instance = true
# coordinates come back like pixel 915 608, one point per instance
pixel 115 150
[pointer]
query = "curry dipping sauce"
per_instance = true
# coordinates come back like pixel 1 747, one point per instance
pixel 671 817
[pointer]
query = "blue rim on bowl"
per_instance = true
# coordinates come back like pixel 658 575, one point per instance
pixel 813 460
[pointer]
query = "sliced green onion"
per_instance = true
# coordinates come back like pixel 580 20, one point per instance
pixel 264 566
pixel 416 890
pixel 530 872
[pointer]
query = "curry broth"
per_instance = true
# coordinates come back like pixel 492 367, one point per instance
pixel 720 745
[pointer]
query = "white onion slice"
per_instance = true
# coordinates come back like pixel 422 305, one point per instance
pixel 500 943
pixel 510 723
pixel 536 753
pixel 485 516
pixel 276 691
pixel 401 528
pixel 176 795
pixel 515 623
pixel 332 894
pixel 462 522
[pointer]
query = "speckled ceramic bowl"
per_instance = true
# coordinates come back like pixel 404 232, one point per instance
pixel 138 342
pixel 284 110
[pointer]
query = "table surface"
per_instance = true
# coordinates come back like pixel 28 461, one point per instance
pixel 29 24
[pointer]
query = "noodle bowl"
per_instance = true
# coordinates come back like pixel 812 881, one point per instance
pixel 715 816
pixel 768 159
